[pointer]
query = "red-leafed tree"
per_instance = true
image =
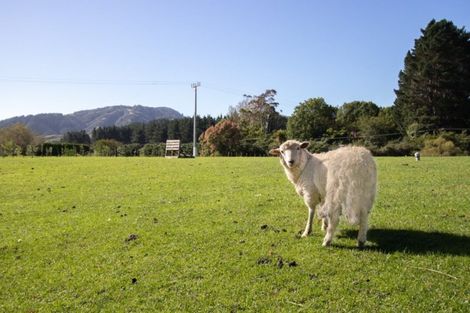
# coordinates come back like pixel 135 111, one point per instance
pixel 221 139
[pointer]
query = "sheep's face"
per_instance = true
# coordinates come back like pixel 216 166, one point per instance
pixel 290 152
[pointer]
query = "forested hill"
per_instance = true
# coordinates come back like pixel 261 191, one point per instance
pixel 58 124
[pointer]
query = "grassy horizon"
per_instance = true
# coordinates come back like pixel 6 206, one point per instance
pixel 221 235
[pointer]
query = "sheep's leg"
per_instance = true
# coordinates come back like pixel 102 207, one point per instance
pixel 308 227
pixel 322 216
pixel 332 221
pixel 311 202
pixel 324 224
pixel 362 234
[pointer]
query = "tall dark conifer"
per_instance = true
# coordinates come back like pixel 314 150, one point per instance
pixel 434 86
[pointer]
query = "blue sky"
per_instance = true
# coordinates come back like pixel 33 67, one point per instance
pixel 65 56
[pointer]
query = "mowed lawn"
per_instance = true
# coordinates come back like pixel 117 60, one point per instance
pixel 221 235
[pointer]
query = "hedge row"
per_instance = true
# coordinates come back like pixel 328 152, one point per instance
pixel 101 149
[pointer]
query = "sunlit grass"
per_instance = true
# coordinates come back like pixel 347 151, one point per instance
pixel 220 234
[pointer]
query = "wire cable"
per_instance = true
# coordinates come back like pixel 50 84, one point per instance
pixel 74 81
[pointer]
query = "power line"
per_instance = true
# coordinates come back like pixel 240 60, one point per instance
pixel 231 91
pixel 241 93
pixel 74 81
pixel 97 82
pixel 77 81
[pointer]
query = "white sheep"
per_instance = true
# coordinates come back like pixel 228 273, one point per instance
pixel 417 156
pixel 342 181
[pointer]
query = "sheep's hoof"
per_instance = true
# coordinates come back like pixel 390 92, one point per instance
pixel 326 243
pixel 304 235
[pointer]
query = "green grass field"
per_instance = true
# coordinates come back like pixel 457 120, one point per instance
pixel 221 235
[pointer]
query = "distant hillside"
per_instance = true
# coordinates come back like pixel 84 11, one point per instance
pixel 56 124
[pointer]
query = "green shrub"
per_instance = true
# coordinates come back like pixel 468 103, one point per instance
pixel 318 146
pixel 158 149
pixel 153 149
pixel 9 148
pixel 461 140
pixel 107 147
pixel 129 150
pixel 395 148
pixel 440 147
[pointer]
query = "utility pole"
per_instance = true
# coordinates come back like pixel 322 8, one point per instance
pixel 195 85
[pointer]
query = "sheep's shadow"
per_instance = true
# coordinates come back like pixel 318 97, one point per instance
pixel 413 241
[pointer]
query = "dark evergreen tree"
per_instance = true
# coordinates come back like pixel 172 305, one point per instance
pixel 138 135
pixel 95 133
pixel 205 122
pixel 157 131
pixel 434 86
pixel 185 126
pixel 77 137
pixel 125 135
pixel 173 130
pixel 276 122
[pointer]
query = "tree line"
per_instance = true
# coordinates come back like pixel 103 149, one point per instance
pixel 152 132
pixel 431 113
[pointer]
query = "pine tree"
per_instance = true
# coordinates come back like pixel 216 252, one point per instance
pixel 434 86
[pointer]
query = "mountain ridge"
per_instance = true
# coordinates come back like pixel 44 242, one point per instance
pixel 48 124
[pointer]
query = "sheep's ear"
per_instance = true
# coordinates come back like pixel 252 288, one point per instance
pixel 304 144
pixel 275 152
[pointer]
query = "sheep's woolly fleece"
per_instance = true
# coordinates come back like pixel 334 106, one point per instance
pixel 342 181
